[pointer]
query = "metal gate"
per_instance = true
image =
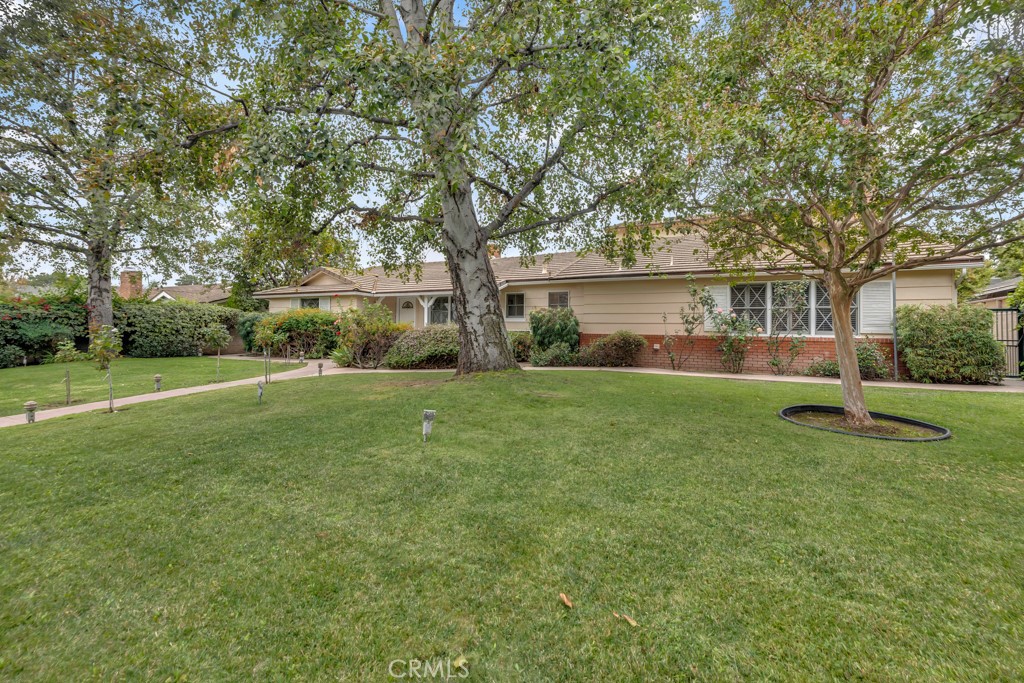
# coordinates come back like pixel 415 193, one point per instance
pixel 1007 330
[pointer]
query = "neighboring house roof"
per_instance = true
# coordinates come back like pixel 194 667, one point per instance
pixel 998 288
pixel 203 294
pixel 674 255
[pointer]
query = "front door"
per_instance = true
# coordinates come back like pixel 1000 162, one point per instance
pixel 407 311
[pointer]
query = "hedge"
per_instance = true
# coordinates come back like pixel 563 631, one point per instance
pixel 433 347
pixel 951 344
pixel 167 328
pixel 247 328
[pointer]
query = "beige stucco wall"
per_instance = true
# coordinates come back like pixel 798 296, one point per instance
pixel 926 287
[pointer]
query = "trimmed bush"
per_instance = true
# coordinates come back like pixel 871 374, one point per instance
pixel 559 355
pixel 433 347
pixel 368 333
pixel 550 326
pixel 616 350
pixel 308 330
pixel 167 328
pixel 522 344
pixel 950 344
pixel 871 360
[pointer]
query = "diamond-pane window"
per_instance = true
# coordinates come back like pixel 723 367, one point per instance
pixel 751 301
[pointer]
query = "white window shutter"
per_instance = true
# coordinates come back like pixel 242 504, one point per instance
pixel 325 303
pixel 721 295
pixel 295 303
pixel 876 307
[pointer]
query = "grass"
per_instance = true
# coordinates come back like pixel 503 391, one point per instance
pixel 44 384
pixel 317 538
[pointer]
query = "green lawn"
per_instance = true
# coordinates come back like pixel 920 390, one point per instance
pixel 44 384
pixel 317 538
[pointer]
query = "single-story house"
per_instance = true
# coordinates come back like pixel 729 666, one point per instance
pixel 608 296
pixel 200 294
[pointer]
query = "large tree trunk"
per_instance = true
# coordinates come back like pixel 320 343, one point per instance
pixel 99 299
pixel 483 341
pixel 841 297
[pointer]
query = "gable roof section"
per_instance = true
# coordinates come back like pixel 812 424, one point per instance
pixel 675 255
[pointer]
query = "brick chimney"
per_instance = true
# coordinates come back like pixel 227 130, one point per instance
pixel 494 251
pixel 131 284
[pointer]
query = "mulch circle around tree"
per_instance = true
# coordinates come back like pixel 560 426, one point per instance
pixel 889 427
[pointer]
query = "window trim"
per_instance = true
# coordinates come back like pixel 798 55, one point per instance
pixel 813 309
pixel 568 300
pixel 522 296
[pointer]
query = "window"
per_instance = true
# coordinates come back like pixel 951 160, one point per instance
pixel 791 307
pixel 558 299
pixel 751 301
pixel 313 302
pixel 515 305
pixel 823 311
pixel 440 311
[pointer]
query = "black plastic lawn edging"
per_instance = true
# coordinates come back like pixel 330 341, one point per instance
pixel 788 413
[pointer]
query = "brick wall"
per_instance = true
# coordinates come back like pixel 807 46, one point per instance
pixel 706 358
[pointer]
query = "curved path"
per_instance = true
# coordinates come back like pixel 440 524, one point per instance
pixel 310 370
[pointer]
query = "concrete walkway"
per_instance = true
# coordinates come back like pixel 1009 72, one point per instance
pixel 1010 386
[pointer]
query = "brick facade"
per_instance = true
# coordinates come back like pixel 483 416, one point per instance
pixel 706 358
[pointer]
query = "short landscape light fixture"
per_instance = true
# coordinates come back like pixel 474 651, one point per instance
pixel 320 369
pixel 30 411
pixel 428 423
pixel 156 381
pixel 259 392
pixel 302 356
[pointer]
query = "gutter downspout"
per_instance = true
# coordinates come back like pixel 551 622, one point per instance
pixel 895 338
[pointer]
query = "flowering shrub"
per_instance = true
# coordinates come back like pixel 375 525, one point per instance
pixel 36 324
pixel 308 330
pixel 692 316
pixel 368 333
pixel 733 333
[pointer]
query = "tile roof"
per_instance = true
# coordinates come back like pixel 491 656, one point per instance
pixel 673 255
pixel 203 294
pixel 999 286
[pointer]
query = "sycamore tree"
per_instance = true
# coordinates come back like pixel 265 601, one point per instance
pixel 860 138
pixel 449 125
pixel 99 160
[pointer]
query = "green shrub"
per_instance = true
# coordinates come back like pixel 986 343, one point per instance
pixel 560 355
pixel 522 344
pixel 616 350
pixel 10 356
pixel 550 326
pixel 67 353
pixel 871 360
pixel 950 344
pixel 341 357
pixel 434 346
pixel 307 330
pixel 247 329
pixel 167 328
pixel 368 333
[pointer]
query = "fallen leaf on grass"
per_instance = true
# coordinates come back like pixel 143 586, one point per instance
pixel 629 620
pixel 565 600
pixel 460 661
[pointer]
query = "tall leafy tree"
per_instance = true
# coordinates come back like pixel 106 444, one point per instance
pixel 450 125
pixel 861 138
pixel 99 162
